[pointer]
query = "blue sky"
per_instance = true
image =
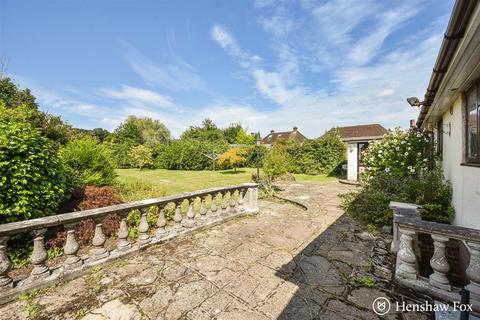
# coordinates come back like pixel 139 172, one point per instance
pixel 267 64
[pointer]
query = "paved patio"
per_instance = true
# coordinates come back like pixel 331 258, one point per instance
pixel 284 263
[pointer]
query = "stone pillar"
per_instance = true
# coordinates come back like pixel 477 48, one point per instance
pixel 5 265
pixel 143 238
pixel 241 193
pixel 224 204
pixel 190 222
pixel 71 248
pixel 203 208
pixel 439 264
pixel 473 272
pixel 161 222
pixel 232 203
pixel 39 255
pixel 98 251
pixel 177 218
pixel 406 255
pixel 213 207
pixel 123 243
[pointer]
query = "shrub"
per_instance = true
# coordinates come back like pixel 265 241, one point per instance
pixel 277 162
pixel 86 198
pixel 119 152
pixel 232 158
pixel 187 154
pixel 318 156
pixel 32 178
pixel 142 156
pixel 404 153
pixel 88 163
pixel 370 203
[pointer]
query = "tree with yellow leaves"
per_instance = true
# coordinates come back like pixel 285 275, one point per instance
pixel 233 157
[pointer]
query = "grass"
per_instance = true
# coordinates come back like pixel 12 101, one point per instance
pixel 142 184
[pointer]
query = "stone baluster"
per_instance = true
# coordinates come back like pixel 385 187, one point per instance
pixel 203 208
pixel 98 250
pixel 143 227
pixel 161 222
pixel 241 206
pixel 224 204
pixel 39 255
pixel 190 221
pixel 213 207
pixel 255 199
pixel 5 265
pixel 123 243
pixel 177 218
pixel 473 272
pixel 232 203
pixel 439 264
pixel 406 255
pixel 71 248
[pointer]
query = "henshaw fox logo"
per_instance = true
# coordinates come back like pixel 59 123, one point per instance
pixel 382 306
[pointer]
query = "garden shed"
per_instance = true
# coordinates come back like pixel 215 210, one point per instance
pixel 358 138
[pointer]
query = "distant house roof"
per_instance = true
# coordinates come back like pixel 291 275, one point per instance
pixel 361 132
pixel 294 135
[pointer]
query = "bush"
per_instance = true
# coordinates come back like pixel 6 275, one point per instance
pixel 404 153
pixel 277 162
pixel 88 163
pixel 86 198
pixel 142 156
pixel 319 156
pixel 187 154
pixel 232 158
pixel 32 178
pixel 370 203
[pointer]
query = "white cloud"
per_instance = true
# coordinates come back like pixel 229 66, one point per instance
pixel 228 42
pixel 136 95
pixel 176 76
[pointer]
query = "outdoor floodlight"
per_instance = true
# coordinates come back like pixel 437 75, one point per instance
pixel 414 102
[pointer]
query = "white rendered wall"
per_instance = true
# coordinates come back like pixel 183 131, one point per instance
pixel 465 180
pixel 352 161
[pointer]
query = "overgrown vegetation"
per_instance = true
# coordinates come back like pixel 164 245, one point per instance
pixel 401 168
pixel 88 163
pixel 32 176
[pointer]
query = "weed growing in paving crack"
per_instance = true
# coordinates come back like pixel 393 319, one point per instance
pixel 93 280
pixel 31 308
pixel 366 281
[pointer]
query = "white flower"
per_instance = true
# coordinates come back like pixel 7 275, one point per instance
pixel 387 169
pixel 419 154
pixel 406 153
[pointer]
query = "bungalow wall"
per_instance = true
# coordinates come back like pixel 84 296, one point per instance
pixel 465 179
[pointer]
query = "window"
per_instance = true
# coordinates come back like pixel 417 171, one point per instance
pixel 472 125
pixel 440 138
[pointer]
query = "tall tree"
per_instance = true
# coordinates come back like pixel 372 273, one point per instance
pixel 207 132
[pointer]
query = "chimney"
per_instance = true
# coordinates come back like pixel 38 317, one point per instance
pixel 295 128
pixel 272 131
pixel 412 123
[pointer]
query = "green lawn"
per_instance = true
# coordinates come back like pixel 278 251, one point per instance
pixel 142 184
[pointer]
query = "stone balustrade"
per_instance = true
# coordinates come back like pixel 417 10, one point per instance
pixel 406 227
pixel 205 208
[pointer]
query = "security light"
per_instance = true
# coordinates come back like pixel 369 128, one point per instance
pixel 414 102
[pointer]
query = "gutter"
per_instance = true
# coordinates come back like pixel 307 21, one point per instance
pixel 462 11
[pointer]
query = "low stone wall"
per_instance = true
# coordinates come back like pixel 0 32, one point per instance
pixel 235 201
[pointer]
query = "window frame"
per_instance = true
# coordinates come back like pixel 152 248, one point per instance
pixel 470 160
pixel 440 138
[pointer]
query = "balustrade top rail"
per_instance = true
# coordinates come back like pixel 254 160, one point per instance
pixel 408 216
pixel 73 217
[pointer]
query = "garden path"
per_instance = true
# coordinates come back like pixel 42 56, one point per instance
pixel 284 263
